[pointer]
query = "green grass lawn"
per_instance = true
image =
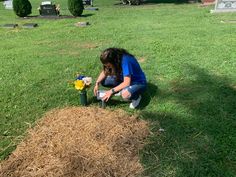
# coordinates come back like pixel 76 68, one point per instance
pixel 188 55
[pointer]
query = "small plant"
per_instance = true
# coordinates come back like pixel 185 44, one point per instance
pixel 22 8
pixel 76 7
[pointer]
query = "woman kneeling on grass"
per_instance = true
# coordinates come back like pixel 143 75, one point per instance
pixel 121 72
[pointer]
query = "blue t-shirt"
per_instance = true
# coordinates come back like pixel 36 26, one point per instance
pixel 131 67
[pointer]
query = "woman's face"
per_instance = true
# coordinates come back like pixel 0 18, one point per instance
pixel 109 68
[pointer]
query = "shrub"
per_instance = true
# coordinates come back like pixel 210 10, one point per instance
pixel 75 7
pixel 22 8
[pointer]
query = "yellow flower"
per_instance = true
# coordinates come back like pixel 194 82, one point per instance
pixel 79 84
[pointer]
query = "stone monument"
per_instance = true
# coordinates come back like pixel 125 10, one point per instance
pixel 88 2
pixel 8 4
pixel 225 6
pixel 48 9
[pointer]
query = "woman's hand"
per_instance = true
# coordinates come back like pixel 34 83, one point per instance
pixel 95 90
pixel 107 96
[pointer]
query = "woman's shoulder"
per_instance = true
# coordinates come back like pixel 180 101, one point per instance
pixel 127 57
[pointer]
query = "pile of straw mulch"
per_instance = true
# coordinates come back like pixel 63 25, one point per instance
pixel 80 141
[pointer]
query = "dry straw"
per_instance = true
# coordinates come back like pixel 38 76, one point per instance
pixel 80 141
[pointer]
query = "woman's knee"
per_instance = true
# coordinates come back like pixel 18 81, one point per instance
pixel 125 94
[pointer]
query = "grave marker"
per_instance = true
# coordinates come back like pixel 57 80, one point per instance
pixel 225 6
pixel 30 25
pixel 48 9
pixel 10 25
pixel 91 8
pixel 8 4
pixel 88 2
pixel 82 24
pixel 228 21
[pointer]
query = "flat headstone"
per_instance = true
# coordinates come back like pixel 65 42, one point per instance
pixel 82 24
pixel 10 25
pixel 228 21
pixel 208 1
pixel 8 4
pixel 225 6
pixel 30 25
pixel 91 8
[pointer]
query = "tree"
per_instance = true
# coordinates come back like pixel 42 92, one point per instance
pixel 76 7
pixel 22 8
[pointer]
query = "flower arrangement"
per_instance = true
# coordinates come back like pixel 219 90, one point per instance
pixel 82 83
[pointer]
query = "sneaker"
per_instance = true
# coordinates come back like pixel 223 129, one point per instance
pixel 135 103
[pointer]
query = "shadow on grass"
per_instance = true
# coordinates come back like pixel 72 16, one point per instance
pixel 54 17
pixel 86 15
pixel 152 90
pixel 200 133
pixel 170 1
pixel 163 1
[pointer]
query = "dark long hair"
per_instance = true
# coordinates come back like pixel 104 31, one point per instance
pixel 114 56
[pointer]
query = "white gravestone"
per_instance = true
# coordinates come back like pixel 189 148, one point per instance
pixel 225 6
pixel 8 4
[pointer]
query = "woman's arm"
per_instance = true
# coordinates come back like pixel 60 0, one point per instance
pixel 125 83
pixel 100 78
